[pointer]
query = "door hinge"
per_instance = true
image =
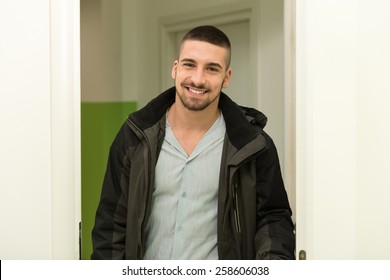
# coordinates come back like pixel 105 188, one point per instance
pixel 302 255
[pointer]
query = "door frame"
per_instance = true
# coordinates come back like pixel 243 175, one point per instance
pixel 65 129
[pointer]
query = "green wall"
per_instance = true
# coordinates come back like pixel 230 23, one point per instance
pixel 99 124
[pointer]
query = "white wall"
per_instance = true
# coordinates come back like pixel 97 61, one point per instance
pixel 101 48
pixel 342 141
pixel 39 121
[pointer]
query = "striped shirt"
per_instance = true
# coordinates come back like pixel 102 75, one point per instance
pixel 183 221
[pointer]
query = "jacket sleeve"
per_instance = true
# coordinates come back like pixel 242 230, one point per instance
pixel 108 235
pixel 275 237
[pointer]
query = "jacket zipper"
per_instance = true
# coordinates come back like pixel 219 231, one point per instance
pixel 236 210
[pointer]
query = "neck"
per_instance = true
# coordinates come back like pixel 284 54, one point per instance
pixel 185 119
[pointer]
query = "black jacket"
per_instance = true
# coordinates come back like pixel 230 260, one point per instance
pixel 254 216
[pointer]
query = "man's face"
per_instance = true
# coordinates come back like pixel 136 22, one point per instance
pixel 200 73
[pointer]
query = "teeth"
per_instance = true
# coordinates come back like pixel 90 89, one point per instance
pixel 196 91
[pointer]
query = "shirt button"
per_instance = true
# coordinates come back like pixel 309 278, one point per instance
pixel 179 228
pixel 184 194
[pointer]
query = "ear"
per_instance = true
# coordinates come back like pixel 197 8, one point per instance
pixel 174 69
pixel 226 80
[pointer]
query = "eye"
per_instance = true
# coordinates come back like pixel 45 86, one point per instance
pixel 188 65
pixel 212 69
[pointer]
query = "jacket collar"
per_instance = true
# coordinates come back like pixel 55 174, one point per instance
pixel 154 110
pixel 241 122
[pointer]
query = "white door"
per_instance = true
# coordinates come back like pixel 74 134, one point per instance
pixel 39 124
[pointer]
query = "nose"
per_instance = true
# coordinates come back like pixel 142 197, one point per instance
pixel 198 77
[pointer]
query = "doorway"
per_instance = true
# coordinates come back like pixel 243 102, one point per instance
pixel 126 56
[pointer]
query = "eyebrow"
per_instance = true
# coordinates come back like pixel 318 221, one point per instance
pixel 214 64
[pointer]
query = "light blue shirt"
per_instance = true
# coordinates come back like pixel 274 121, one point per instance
pixel 183 220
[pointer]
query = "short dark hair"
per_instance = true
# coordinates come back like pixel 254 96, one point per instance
pixel 209 34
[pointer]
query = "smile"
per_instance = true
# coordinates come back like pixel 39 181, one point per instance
pixel 198 92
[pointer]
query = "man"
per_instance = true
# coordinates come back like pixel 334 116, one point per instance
pixel 192 175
